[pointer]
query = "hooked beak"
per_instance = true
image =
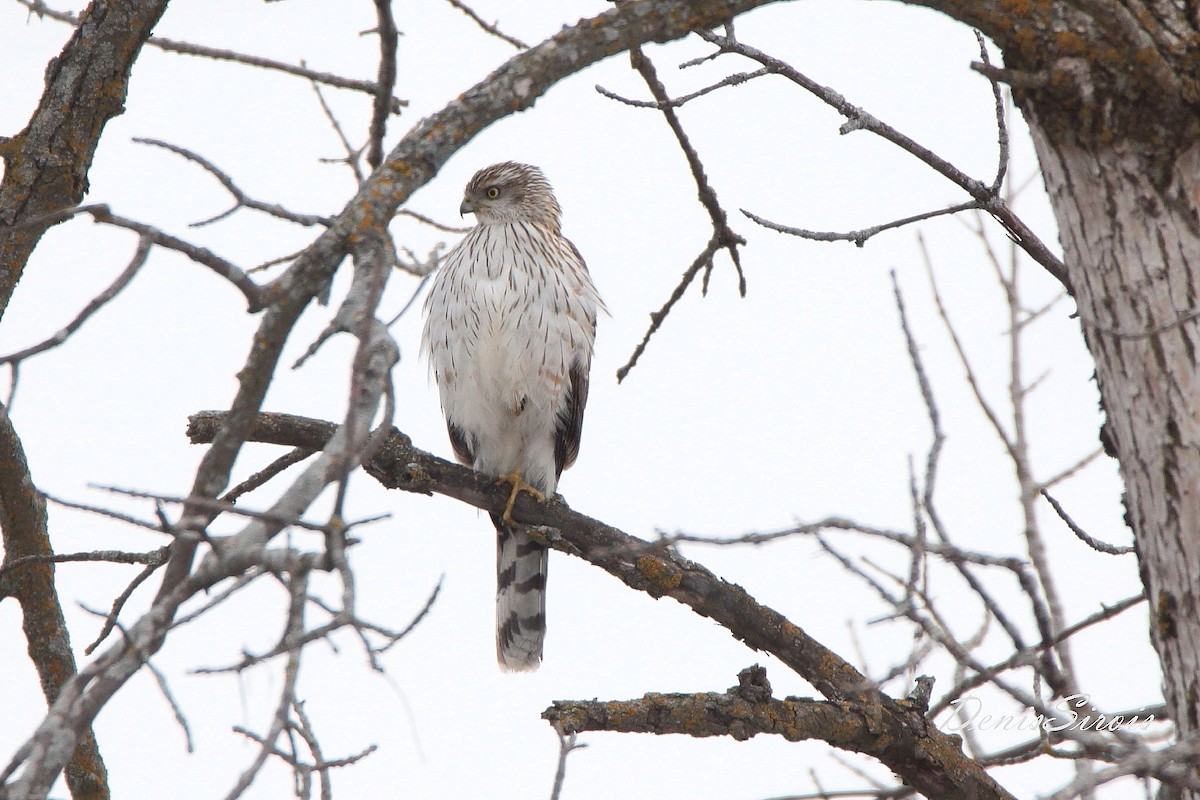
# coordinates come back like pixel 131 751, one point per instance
pixel 467 206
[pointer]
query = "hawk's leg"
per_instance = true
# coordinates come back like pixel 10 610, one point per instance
pixel 517 481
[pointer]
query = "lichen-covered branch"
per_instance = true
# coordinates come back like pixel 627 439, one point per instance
pixel 26 539
pixel 926 758
pixel 46 164
pixel 741 712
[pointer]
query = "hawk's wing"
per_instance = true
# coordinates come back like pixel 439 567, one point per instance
pixel 462 448
pixel 569 427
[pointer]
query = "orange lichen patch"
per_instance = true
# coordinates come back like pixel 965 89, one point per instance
pixel 1022 7
pixel 664 575
pixel 1025 40
pixel 1071 43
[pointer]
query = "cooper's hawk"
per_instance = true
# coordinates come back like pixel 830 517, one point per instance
pixel 509 328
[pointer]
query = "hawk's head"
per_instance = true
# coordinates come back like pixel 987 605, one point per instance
pixel 511 192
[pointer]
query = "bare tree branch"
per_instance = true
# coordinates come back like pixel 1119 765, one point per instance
pixel 737 79
pixel 723 238
pixel 567 744
pixel 397 464
pixel 94 305
pixel 388 35
pixel 984 196
pixel 241 199
pixel 186 48
pixel 657 317
pixel 201 255
pixel 861 236
pixel 1095 544
pixel 46 164
pixel 414 160
pixel 353 154
pixel 492 29
pixel 27 542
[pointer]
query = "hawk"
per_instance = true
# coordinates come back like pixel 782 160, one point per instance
pixel 509 329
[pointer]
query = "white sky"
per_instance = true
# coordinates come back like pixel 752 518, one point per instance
pixel 794 403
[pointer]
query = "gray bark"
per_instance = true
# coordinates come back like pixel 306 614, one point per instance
pixel 1132 245
pixel 1110 91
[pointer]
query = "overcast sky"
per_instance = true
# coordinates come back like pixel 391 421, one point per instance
pixel 792 404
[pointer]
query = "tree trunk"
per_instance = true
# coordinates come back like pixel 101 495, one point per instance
pixel 1110 90
pixel 1132 248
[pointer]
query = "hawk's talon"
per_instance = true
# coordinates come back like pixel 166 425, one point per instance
pixel 517 481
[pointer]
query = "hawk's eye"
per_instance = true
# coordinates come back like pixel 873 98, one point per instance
pixel 493 192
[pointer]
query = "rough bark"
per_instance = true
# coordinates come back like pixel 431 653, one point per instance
pixel 31 583
pixel 46 165
pixel 1136 281
pixel 46 168
pixel 1109 90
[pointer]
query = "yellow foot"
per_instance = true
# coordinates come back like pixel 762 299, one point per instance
pixel 517 481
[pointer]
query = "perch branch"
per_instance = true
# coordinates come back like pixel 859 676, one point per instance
pixel 930 761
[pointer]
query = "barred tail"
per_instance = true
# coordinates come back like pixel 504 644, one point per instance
pixel 520 599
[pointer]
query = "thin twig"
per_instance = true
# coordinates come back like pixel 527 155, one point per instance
pixel 657 317
pixel 492 29
pixel 723 238
pixel 432 222
pixel 857 119
pixel 297 591
pixel 241 199
pixel 566 746
pixel 201 255
pixel 270 471
pixel 724 235
pixel 352 153
pixel 94 305
pixel 159 678
pixel 411 301
pixel 110 556
pixel 1095 544
pixel 388 36
pixel 1001 125
pixel 157 527
pixel 1028 656
pixel 859 237
pixel 114 613
pixel 41 9
pixel 733 80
